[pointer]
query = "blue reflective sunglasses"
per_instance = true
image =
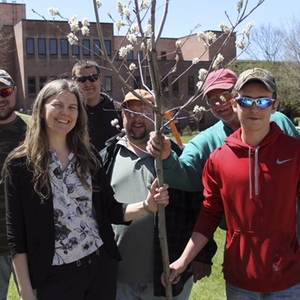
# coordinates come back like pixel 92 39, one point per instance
pixel 261 103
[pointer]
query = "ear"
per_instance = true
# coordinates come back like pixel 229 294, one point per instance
pixel 275 106
pixel 234 105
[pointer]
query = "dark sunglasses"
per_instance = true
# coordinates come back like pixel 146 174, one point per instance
pixel 6 92
pixel 90 78
pixel 261 103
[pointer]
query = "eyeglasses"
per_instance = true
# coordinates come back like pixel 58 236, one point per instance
pixel 144 113
pixel 261 103
pixel 6 92
pixel 90 78
pixel 222 97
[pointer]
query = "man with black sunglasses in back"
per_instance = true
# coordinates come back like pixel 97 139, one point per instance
pixel 12 133
pixel 101 109
pixel 255 180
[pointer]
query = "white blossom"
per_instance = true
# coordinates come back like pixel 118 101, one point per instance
pixel 195 60
pixel 120 8
pixel 199 85
pixel 98 3
pixel 74 25
pixel 219 59
pixel 178 44
pixel 248 29
pixel 176 57
pixel 85 22
pixel 144 4
pixel 119 24
pixel 240 44
pixel 72 38
pixel 202 74
pixel 135 29
pixel 85 30
pixel 211 36
pixel 148 30
pixel 224 28
pixel 126 12
pixel 131 38
pixel 53 11
pixel 201 36
pixel 125 50
pixel 198 108
pixel 132 67
pixel 115 123
pixel 239 5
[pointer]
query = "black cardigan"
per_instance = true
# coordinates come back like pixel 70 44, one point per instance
pixel 30 223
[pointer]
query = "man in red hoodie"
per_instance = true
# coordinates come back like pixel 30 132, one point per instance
pixel 255 180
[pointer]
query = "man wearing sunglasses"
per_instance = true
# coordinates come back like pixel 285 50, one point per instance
pixel 218 94
pixel 255 180
pixel 12 132
pixel 101 109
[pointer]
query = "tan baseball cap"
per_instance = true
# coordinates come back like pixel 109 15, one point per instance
pixel 144 94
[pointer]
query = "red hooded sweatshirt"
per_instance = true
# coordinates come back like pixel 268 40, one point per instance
pixel 257 189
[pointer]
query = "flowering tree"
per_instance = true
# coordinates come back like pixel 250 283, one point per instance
pixel 140 19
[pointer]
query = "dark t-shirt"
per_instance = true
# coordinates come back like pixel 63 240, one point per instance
pixel 11 135
pixel 99 120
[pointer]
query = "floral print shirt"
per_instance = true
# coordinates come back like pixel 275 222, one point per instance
pixel 76 229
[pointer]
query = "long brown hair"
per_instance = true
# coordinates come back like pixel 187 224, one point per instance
pixel 36 147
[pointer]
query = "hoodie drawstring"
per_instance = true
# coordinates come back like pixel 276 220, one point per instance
pixel 256 184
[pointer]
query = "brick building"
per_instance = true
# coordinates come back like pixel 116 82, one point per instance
pixel 37 51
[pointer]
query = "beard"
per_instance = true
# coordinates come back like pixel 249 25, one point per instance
pixel 6 114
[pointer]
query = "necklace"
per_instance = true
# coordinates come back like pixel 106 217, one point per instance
pixel 135 146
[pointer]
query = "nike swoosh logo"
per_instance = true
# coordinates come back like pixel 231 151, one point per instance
pixel 280 162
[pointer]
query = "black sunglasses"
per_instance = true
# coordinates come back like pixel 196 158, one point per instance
pixel 6 92
pixel 90 78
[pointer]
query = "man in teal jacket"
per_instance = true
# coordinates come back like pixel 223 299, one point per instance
pixel 218 94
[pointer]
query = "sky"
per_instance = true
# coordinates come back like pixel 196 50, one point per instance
pixel 183 17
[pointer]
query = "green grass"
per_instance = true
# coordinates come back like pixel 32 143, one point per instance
pixel 213 287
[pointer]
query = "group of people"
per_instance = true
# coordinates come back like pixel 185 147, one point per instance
pixel 71 174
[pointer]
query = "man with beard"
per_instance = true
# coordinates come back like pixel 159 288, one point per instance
pixel 100 108
pixel 12 132
pixel 131 170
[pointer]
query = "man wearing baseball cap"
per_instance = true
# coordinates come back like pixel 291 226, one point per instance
pixel 12 132
pixel 131 169
pixel 220 86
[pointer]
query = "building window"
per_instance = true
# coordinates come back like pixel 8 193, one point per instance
pixel 31 85
pixel 108 83
pixel 141 55
pixel 163 55
pixel 108 47
pixel 137 82
pixel 42 46
pixel 191 84
pixel 97 47
pixel 64 47
pixel 53 46
pixel 175 84
pixel 30 46
pixel 42 81
pixel 86 47
pixel 75 50
pixel 148 82
pixel 165 84
pixel 130 55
